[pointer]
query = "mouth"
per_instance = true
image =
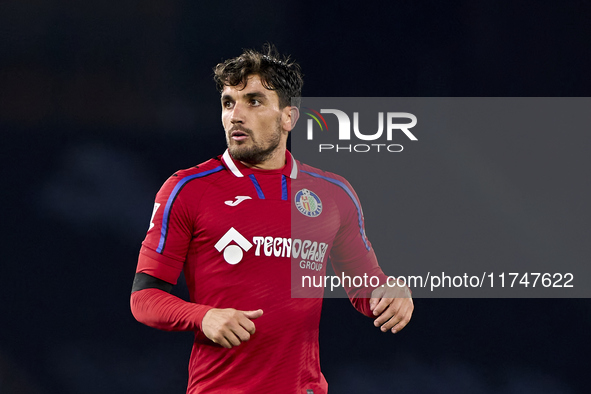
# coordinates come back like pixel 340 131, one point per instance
pixel 238 135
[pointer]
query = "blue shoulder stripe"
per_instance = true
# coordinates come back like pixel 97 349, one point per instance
pixel 350 194
pixel 179 186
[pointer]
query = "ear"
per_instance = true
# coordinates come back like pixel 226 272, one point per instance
pixel 290 116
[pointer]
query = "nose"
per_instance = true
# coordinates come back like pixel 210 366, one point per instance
pixel 237 114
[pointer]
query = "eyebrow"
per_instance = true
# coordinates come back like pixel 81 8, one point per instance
pixel 247 95
pixel 255 95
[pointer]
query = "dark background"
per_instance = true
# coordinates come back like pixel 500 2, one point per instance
pixel 101 101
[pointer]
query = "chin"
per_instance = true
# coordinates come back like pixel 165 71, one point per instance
pixel 239 152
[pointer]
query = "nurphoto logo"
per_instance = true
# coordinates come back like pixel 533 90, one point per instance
pixel 344 130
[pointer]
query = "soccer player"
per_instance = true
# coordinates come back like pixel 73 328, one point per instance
pixel 234 224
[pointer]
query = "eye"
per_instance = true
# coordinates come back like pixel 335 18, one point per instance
pixel 255 102
pixel 227 104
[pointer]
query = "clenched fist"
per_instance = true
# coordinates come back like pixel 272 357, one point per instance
pixel 229 327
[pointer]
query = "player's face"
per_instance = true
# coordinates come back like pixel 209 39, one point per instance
pixel 256 127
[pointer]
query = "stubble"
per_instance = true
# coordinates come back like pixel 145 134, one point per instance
pixel 257 151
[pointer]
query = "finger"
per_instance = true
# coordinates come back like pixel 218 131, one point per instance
pixel 247 325
pixel 376 296
pixel 242 334
pixel 373 302
pixel 387 319
pixel 222 342
pixel 393 321
pixel 404 318
pixel 400 325
pixel 246 321
pixel 389 311
pixel 253 314
pixel 400 319
pixel 232 338
pixel 382 306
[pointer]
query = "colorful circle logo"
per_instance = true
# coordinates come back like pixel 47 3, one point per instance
pixel 308 203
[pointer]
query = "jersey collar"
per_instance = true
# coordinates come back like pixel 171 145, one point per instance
pixel 239 170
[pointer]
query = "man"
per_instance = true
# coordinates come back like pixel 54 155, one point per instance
pixel 234 224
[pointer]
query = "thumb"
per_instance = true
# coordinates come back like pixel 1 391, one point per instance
pixel 253 314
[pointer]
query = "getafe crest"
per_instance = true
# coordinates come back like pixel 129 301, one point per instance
pixel 308 203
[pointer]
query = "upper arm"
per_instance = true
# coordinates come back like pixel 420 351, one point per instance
pixel 352 253
pixel 351 243
pixel 171 227
pixel 169 236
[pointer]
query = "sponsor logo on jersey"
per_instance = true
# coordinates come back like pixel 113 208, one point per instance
pixel 310 253
pixel 233 253
pixel 238 200
pixel 308 203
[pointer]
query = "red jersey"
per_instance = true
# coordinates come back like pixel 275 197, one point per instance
pixel 244 238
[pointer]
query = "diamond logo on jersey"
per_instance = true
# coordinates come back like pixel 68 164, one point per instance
pixel 233 253
pixel 308 203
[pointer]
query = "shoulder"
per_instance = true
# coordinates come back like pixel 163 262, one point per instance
pixel 202 174
pixel 335 185
pixel 325 177
pixel 205 171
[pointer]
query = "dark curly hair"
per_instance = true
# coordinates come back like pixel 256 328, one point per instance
pixel 277 73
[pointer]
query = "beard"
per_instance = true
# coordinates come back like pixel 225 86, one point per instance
pixel 257 151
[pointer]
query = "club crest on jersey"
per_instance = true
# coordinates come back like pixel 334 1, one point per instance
pixel 308 203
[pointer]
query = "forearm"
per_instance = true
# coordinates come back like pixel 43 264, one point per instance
pixel 366 268
pixel 159 309
pixel 360 296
